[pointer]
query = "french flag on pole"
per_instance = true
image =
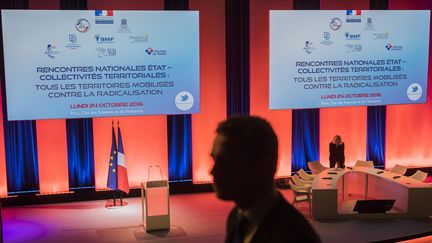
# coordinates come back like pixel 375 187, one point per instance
pixel 353 16
pixel 103 12
pixel 123 182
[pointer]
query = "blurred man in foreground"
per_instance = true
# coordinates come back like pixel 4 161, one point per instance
pixel 245 154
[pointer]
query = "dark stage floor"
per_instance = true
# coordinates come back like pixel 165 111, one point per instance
pixel 194 218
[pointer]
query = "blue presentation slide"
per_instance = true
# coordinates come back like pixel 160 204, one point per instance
pixel 348 58
pixel 99 63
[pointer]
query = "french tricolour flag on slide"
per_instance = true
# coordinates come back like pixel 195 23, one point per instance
pixel 353 12
pixel 103 13
pixel 353 16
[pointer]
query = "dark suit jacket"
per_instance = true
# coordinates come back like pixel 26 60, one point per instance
pixel 337 153
pixel 283 223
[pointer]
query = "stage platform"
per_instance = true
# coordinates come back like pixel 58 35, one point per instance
pixel 197 217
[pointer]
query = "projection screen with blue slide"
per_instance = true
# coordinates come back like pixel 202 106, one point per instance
pixel 96 63
pixel 348 58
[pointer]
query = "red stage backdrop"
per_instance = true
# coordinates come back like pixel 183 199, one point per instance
pixel 213 85
pixel 409 127
pixel 343 5
pixel 259 78
pixel 349 122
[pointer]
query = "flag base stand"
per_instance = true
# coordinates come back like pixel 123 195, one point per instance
pixel 116 202
pixel 111 205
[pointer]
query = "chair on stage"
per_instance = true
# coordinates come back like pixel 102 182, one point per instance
pixel 361 163
pixel 300 182
pixel 316 167
pixel 419 175
pixel 305 176
pixel 301 194
pixel 399 169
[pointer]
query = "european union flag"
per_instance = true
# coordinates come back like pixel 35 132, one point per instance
pixel 112 170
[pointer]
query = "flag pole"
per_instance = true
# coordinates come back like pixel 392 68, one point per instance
pixel 114 198
pixel 121 193
pixel 114 191
pixel 116 153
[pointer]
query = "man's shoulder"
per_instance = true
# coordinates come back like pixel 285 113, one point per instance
pixel 285 222
pixel 282 210
pixel 232 216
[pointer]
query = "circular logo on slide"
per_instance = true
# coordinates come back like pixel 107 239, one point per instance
pixel 335 24
pixel 82 25
pixel 414 91
pixel 184 101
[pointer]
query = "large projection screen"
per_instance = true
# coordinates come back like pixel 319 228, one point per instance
pixel 348 58
pixel 96 63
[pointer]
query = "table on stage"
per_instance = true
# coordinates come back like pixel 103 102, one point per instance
pixel 335 192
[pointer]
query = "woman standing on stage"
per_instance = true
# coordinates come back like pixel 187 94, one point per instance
pixel 337 153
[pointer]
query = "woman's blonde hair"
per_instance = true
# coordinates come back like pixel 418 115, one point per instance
pixel 337 139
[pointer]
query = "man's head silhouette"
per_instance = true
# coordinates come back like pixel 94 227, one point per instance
pixel 245 154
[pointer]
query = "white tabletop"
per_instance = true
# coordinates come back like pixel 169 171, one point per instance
pixel 328 179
